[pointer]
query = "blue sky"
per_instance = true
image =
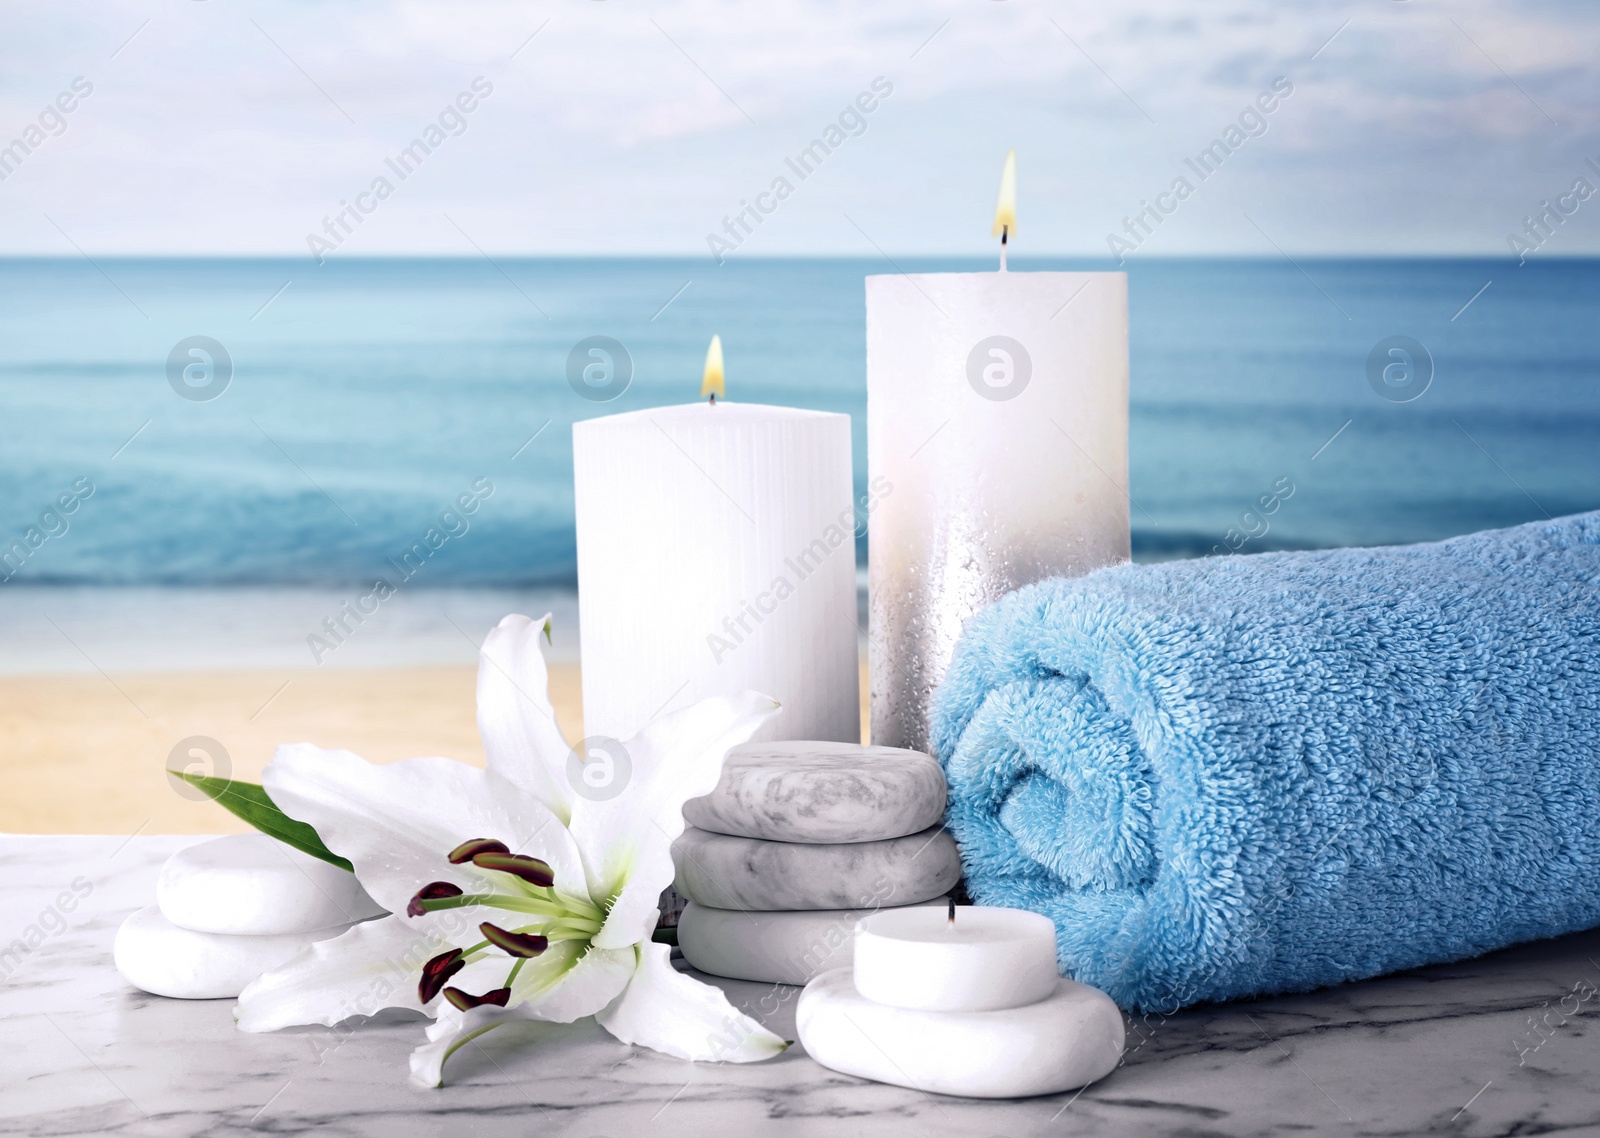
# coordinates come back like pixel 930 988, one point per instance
pixel 1411 126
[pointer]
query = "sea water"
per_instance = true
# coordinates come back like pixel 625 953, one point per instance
pixel 364 398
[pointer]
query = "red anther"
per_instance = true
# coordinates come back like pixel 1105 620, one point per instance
pixel 434 891
pixel 466 851
pixel 514 944
pixel 437 971
pixel 530 869
pixel 465 1001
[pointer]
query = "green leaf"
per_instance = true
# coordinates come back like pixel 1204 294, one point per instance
pixel 251 802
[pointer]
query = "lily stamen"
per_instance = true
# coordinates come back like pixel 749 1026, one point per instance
pixel 556 935
pixel 437 972
pixel 433 891
pixel 533 906
pixel 575 924
pixel 466 1001
pixel 575 906
pixel 534 871
pixel 514 943
pixel 469 849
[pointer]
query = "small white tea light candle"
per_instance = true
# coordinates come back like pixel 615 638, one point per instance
pixel 968 959
pixel 974 1008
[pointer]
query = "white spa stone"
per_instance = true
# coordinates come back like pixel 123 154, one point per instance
pixel 821 793
pixel 157 956
pixel 772 947
pixel 1068 1040
pixel 253 885
pixel 747 873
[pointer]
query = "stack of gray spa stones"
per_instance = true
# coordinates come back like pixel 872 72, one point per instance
pixel 798 842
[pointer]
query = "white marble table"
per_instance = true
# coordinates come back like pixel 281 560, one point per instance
pixel 81 1053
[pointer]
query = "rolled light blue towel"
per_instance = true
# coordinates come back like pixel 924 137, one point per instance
pixel 1268 773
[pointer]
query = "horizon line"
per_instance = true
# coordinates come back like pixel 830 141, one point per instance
pixel 656 256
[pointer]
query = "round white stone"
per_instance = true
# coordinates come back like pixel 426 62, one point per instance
pixel 253 885
pixel 747 873
pixel 1068 1040
pixel 771 948
pixel 821 793
pixel 157 956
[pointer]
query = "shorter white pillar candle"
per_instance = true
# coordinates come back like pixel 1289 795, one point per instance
pixel 969 958
pixel 716 555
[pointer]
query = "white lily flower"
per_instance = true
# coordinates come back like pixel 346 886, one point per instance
pixel 529 891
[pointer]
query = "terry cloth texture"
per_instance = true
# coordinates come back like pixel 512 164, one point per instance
pixel 1267 773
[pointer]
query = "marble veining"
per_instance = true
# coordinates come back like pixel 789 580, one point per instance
pixel 1452 1048
pixel 821 793
pixel 746 873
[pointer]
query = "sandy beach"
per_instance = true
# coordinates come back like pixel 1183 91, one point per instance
pixel 87 753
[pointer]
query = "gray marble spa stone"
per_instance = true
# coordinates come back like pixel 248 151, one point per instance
pixel 725 872
pixel 821 793
pixel 783 947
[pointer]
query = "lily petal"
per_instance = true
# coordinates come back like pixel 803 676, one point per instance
pixel 626 840
pixel 515 717
pixel 450 1031
pixel 566 982
pixel 397 823
pixel 678 1015
pixel 359 972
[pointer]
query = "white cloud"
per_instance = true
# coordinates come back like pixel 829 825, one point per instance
pixel 1420 127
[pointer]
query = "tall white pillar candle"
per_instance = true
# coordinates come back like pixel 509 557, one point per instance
pixel 716 554
pixel 997 447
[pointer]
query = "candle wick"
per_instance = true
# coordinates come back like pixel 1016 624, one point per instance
pixel 1005 231
pixel 713 399
pixel 952 910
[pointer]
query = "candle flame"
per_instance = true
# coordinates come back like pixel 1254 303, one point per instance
pixel 711 383
pixel 1005 210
